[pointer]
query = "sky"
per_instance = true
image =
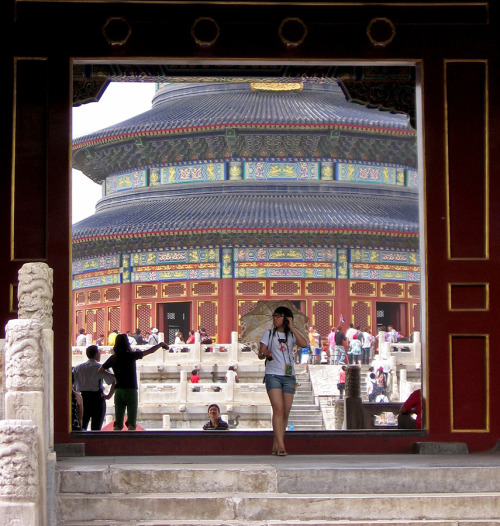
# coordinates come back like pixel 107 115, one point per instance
pixel 120 101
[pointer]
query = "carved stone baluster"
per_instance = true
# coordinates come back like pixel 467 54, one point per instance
pixel 20 488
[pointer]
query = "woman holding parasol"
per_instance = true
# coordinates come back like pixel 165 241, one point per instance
pixel 276 346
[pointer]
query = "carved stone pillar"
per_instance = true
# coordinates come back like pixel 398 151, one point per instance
pixel 35 292
pixel 34 297
pixel 25 397
pixel 20 477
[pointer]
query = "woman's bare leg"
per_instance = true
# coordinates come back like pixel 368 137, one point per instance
pixel 281 403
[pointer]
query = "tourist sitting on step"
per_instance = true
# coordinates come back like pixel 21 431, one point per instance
pixel 215 423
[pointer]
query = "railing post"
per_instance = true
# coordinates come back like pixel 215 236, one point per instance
pixel 353 417
pixel 234 349
pixel 197 348
pixel 183 387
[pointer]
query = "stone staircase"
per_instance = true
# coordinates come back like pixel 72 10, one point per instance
pixel 305 414
pixel 344 490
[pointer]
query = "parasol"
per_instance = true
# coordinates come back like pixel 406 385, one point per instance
pixel 259 319
pixel 109 427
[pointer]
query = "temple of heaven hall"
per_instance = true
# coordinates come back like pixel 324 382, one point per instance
pixel 227 193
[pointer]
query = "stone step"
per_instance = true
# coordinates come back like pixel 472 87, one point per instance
pixel 305 411
pixel 301 423
pixel 452 522
pixel 305 407
pixel 306 425
pixel 302 404
pixel 279 507
pixel 267 474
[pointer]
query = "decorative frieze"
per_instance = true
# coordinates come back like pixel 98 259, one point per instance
pixel 19 478
pixel 34 293
pixel 24 356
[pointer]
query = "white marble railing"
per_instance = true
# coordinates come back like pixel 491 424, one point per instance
pixel 221 354
pixel 405 353
pixel 202 393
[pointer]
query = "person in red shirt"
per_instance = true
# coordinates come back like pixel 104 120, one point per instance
pixel 413 405
pixel 190 337
pixel 341 384
pixel 194 377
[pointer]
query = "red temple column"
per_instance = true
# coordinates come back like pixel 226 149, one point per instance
pixel 127 313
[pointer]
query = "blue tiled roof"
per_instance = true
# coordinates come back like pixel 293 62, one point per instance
pixel 184 106
pixel 225 211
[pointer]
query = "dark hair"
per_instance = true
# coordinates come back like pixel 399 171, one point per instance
pixel 372 375
pixel 138 331
pixel 82 331
pixel 213 405
pixel 285 311
pixel 344 368
pixel 194 371
pixel 122 344
pixel 91 351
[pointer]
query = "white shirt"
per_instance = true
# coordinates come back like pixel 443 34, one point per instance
pixel 81 340
pixel 351 331
pixel 87 378
pixel 280 357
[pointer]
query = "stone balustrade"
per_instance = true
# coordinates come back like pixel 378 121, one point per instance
pixel 197 354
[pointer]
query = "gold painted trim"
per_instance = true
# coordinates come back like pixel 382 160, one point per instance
pixel 383 283
pixel 12 298
pixel 105 291
pixel 112 20
pixel 205 43
pixel 307 283
pixel 198 316
pixel 381 43
pixel 486 161
pixel 371 283
pixel 331 315
pixel 272 283
pixel 88 292
pixel 486 338
pixel 239 282
pixel 290 43
pixel 207 282
pixel 165 295
pixel 136 313
pixel 138 285
pixel 13 166
pixel 316 3
pixel 469 284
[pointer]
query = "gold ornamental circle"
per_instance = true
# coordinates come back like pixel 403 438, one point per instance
pixel 197 27
pixel 387 26
pixel 290 22
pixel 116 30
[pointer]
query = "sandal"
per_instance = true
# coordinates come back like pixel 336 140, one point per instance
pixel 281 453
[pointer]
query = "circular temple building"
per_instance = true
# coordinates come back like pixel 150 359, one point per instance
pixel 224 194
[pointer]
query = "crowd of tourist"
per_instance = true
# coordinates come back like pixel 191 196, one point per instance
pixel 277 347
